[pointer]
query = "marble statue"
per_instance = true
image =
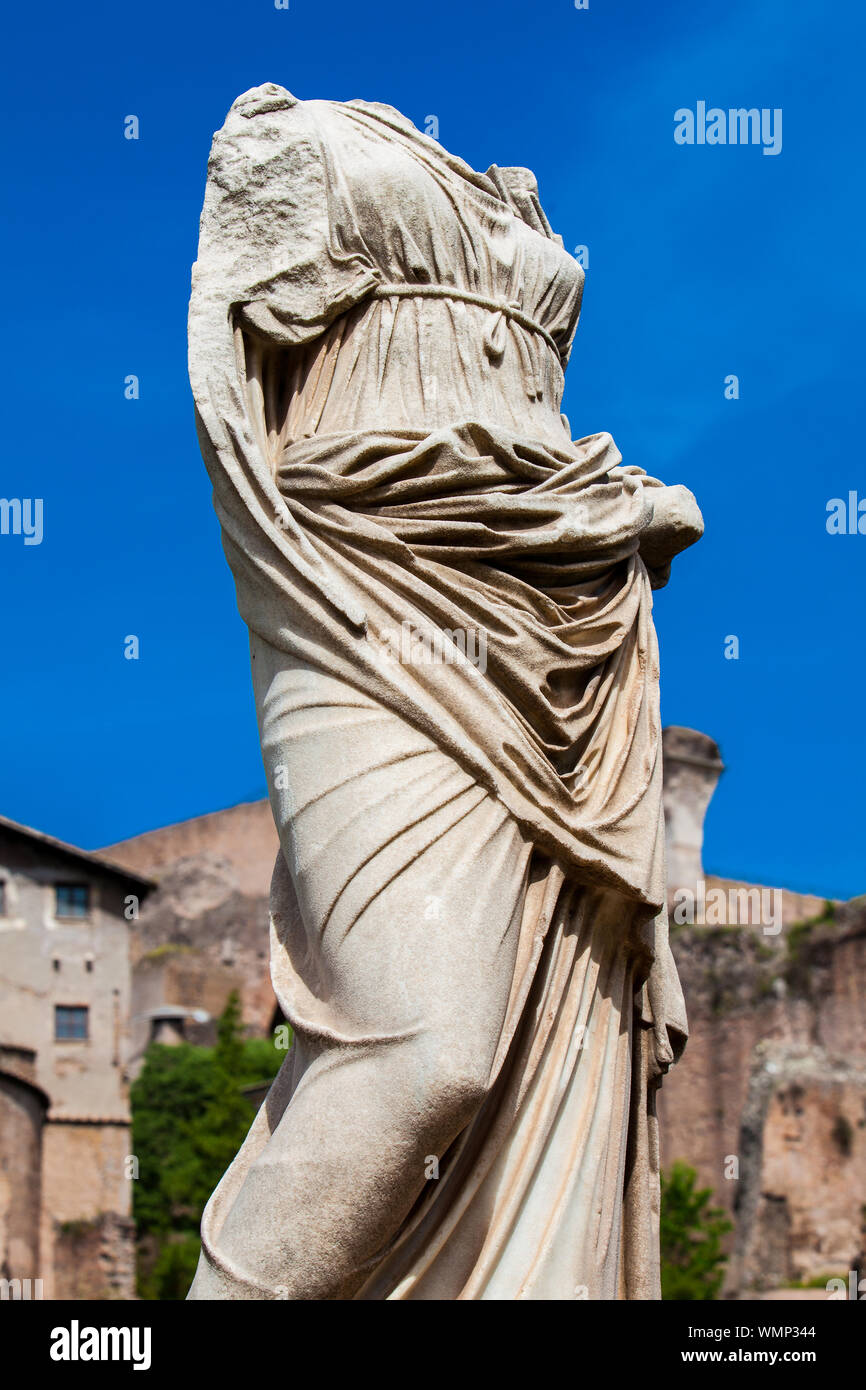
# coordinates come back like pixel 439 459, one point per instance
pixel 456 680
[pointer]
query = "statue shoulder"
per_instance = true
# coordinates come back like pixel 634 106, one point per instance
pixel 260 100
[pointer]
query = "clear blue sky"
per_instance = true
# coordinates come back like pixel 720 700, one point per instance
pixel 703 261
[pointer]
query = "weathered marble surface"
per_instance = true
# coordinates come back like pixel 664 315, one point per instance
pixel 468 922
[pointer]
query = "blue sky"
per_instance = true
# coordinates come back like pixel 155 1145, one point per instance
pixel 703 261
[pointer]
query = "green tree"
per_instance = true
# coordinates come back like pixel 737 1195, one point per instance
pixel 692 1261
pixel 227 1112
pixel 189 1118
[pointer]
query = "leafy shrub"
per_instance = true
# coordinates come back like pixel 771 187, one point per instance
pixel 692 1261
pixel 189 1118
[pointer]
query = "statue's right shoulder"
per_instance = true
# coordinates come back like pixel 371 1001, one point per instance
pixel 259 124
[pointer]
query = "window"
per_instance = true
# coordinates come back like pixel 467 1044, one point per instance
pixel 70 1023
pixel 72 900
pixel 2 898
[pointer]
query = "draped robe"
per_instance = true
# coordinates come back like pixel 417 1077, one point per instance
pixel 378 335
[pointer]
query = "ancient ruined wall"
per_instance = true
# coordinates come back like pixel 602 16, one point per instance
pixel 22 1115
pixel 199 938
pixel 774 982
pixel 800 1209
pixel 204 932
pixel 94 1259
pixel 242 835
pixel 769 1101
pixel 65 1194
pixel 87 1231
pixel 841 992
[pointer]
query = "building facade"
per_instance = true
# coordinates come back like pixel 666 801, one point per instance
pixel 66 919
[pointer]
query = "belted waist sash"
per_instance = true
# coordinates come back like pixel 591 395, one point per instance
pixel 509 308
